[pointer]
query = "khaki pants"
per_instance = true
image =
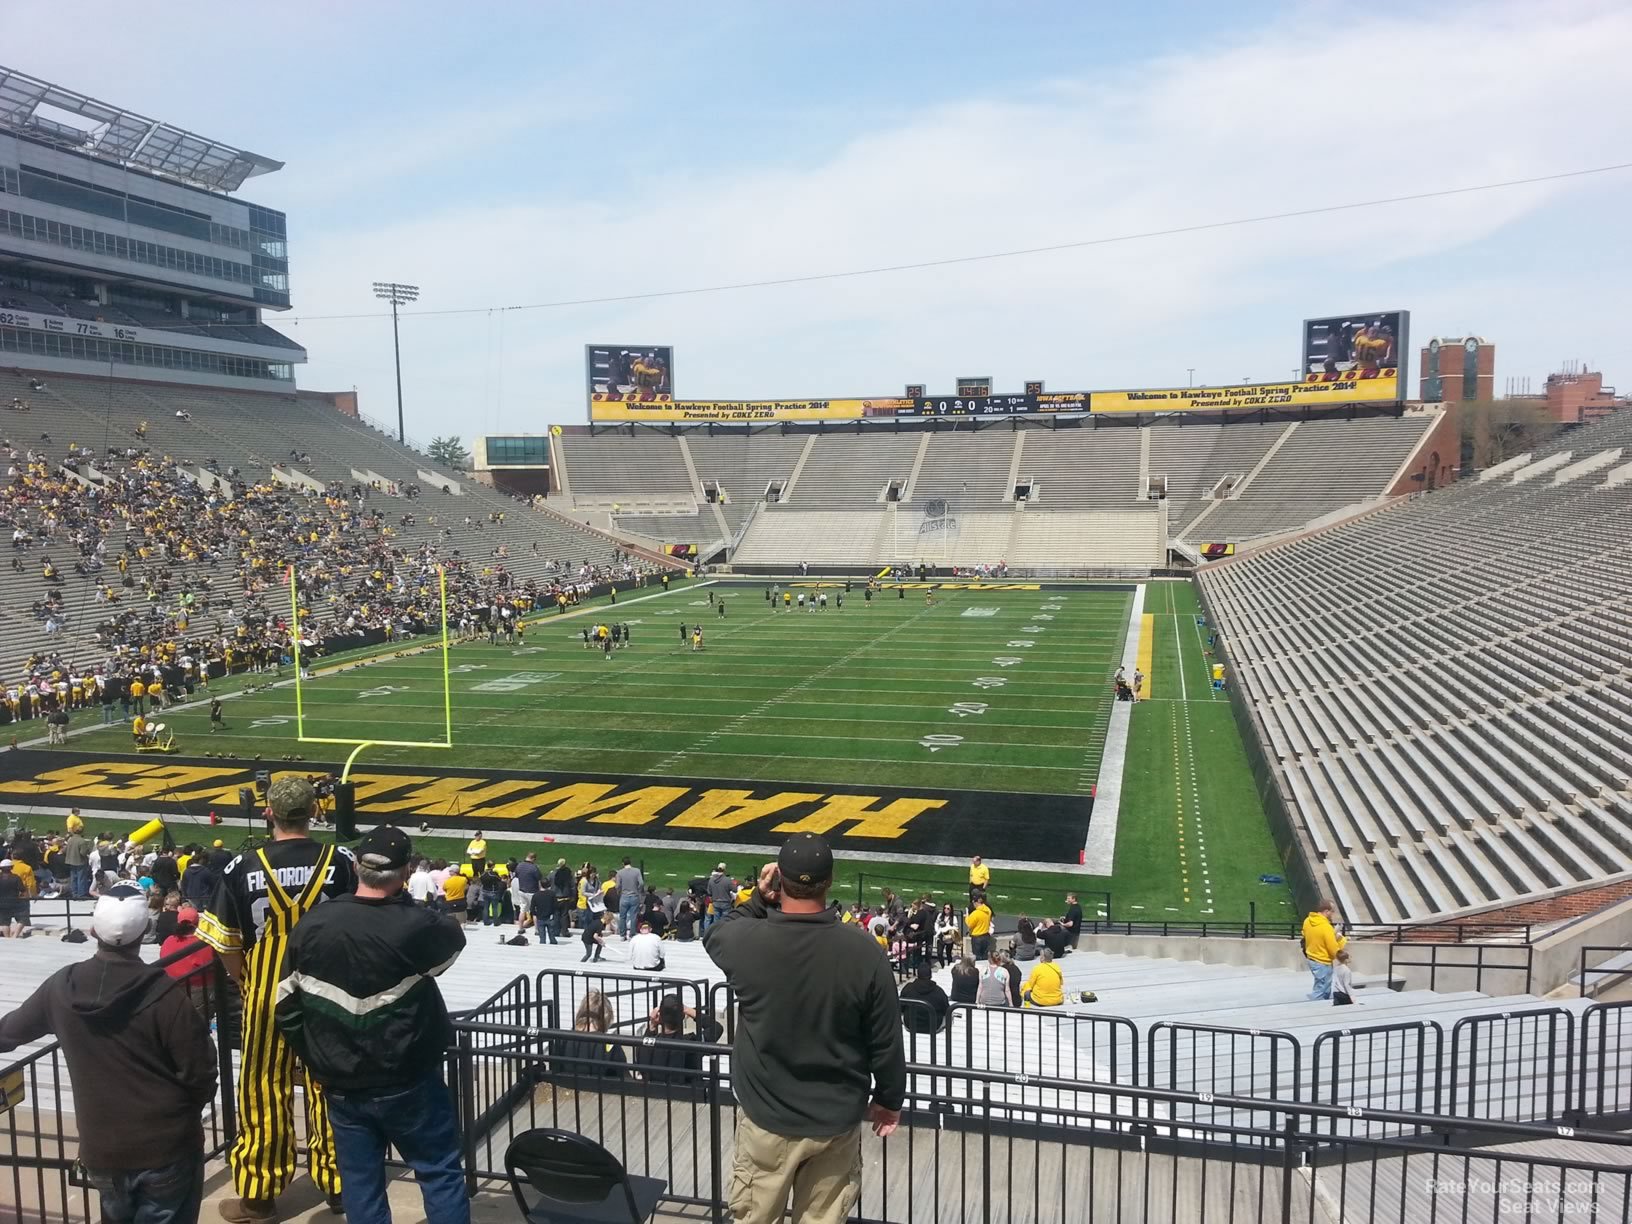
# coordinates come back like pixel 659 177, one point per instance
pixel 824 1175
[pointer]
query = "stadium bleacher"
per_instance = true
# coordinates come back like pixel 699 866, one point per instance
pixel 1316 467
pixel 296 441
pixel 1235 481
pixel 1446 686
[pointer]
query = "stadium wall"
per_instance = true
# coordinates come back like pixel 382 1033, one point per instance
pixel 343 402
pixel 1437 461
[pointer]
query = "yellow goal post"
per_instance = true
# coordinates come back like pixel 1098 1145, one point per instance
pixel 359 744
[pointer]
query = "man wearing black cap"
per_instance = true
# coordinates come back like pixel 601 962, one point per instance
pixel 358 1002
pixel 818 1046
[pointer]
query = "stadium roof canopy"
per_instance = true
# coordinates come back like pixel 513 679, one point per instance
pixel 40 111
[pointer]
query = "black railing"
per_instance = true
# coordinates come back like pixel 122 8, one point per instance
pixel 1512 1065
pixel 631 996
pixel 1023 1103
pixel 971 1148
pixel 1249 927
pixel 1604 1063
pixel 1458 960
pixel 1607 974
pixel 1395 1066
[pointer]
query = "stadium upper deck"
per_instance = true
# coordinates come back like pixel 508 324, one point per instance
pixel 119 244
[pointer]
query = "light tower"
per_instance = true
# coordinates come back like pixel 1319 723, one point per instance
pixel 397 295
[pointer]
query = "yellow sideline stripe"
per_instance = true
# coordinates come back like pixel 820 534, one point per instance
pixel 1147 651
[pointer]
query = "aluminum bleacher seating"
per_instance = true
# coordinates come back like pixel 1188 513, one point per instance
pixel 1071 467
pixel 1322 466
pixel 1457 666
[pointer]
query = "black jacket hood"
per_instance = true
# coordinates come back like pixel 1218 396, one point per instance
pixel 113 986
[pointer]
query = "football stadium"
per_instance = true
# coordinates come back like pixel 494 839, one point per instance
pixel 1127 684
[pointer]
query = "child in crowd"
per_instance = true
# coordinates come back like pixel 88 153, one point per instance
pixel 1342 981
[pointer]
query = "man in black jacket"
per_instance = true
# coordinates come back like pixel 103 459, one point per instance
pixel 126 1028
pixel 358 1001
pixel 932 1005
pixel 818 1044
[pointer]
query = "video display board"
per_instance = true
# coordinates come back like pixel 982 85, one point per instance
pixel 640 372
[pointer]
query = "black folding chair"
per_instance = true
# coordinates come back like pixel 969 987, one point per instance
pixel 579 1181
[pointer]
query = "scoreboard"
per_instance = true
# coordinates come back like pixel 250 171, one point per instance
pixel 993 405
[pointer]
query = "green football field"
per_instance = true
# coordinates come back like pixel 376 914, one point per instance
pixel 1003 691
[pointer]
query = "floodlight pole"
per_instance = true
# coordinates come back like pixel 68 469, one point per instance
pixel 396 353
pixel 395 293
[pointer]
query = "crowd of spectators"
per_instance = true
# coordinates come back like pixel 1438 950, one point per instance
pixel 186 579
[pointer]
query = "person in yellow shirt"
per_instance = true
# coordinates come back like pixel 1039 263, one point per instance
pixel 978 922
pixel 1321 943
pixel 75 823
pixel 1046 985
pixel 980 877
pixel 138 729
pixel 453 893
pixel 25 873
pixel 476 851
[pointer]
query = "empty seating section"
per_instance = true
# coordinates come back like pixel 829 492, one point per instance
pixel 851 471
pixel 610 466
pixel 1072 467
pixel 744 464
pixel 969 469
pixel 701 528
pixel 252 433
pixel 1194 458
pixel 1446 687
pixel 1132 540
pixel 822 537
pixel 1321 467
pixel 1082 469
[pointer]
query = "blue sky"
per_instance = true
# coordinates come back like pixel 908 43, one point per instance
pixel 499 154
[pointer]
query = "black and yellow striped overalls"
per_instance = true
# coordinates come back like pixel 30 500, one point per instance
pixel 263 1158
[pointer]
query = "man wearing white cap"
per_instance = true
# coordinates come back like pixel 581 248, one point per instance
pixel 126 1027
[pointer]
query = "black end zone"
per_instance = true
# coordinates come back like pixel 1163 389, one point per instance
pixel 517 803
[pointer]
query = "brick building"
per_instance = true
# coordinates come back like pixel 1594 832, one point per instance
pixel 1574 396
pixel 1460 369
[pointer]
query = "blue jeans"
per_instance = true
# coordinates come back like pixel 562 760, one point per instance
pixel 628 916
pixel 1323 980
pixel 79 881
pixel 171 1194
pixel 419 1122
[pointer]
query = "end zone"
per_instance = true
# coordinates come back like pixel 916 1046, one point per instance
pixel 1036 831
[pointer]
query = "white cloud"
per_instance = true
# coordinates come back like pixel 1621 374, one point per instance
pixel 1318 110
